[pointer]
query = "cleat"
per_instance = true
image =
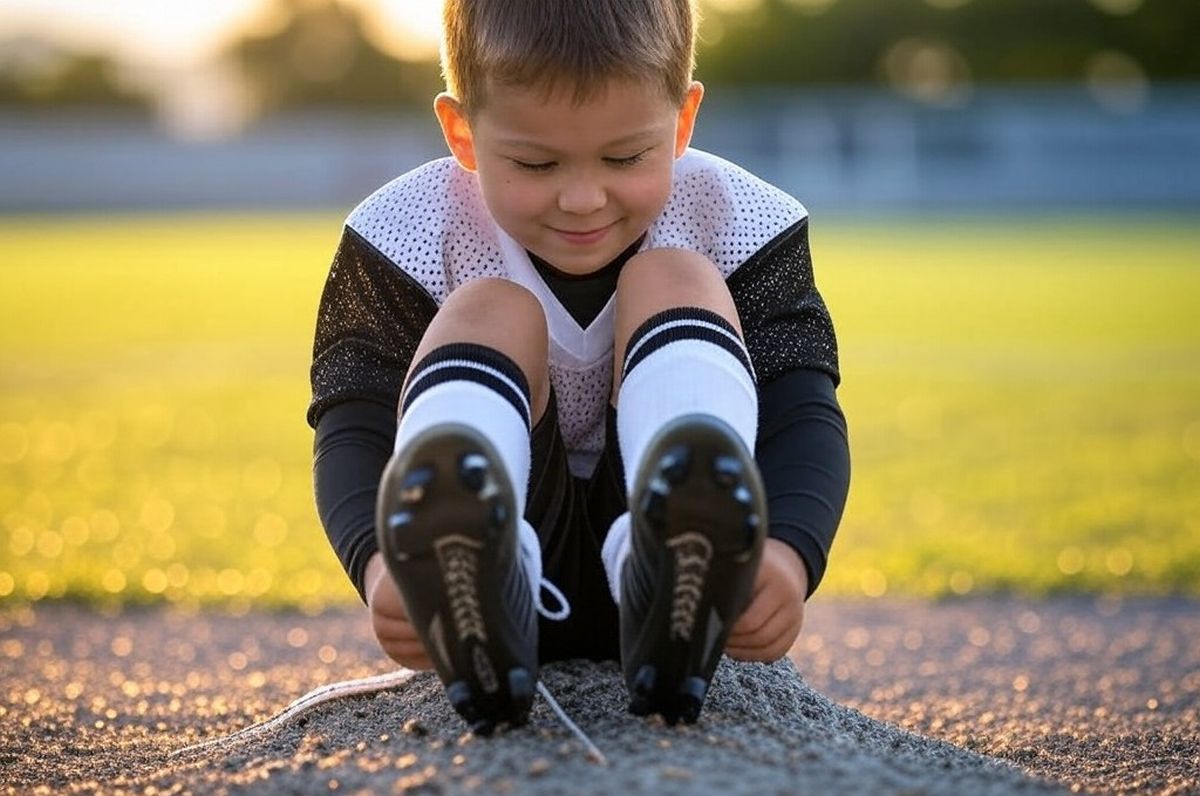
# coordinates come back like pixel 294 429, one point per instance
pixel 696 540
pixel 691 699
pixel 654 500
pixel 641 691
pixel 499 514
pixel 412 488
pixel 520 689
pixel 753 523
pixel 674 466
pixel 473 470
pixel 727 470
pixel 459 696
pixel 447 528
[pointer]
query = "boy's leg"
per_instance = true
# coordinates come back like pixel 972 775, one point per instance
pixel 452 498
pixel 682 561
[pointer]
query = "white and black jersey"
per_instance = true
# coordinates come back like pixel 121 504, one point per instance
pixel 408 245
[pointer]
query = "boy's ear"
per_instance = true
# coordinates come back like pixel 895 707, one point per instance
pixel 455 129
pixel 686 122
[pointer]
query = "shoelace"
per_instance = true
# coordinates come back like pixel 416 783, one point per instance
pixel 531 558
pixel 367 685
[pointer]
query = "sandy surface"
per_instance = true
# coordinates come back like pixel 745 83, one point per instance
pixel 977 696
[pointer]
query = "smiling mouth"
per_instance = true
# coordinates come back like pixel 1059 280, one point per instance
pixel 584 238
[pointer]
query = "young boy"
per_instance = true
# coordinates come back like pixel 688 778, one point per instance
pixel 611 366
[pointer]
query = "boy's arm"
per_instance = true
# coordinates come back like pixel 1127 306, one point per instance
pixel 801 447
pixel 370 320
pixel 352 446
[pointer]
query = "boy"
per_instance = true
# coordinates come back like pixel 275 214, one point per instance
pixel 586 327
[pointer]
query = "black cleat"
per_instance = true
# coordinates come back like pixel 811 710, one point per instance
pixel 698 521
pixel 446 524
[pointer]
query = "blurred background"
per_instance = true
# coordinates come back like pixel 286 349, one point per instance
pixel 1004 197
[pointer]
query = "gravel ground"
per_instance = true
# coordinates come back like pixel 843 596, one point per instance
pixel 983 695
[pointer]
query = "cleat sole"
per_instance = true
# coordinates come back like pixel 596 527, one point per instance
pixel 697 535
pixel 446 526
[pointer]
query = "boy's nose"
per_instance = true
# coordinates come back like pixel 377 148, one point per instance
pixel 582 197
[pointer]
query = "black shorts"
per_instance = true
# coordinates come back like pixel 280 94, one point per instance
pixel 572 516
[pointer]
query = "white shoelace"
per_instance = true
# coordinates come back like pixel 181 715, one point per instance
pixel 531 559
pixel 365 685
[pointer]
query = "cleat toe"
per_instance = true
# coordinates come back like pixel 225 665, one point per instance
pixel 399 520
pixel 498 514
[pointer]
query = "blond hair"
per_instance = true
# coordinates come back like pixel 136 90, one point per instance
pixel 580 44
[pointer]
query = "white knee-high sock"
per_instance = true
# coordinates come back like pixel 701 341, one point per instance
pixel 679 362
pixel 480 387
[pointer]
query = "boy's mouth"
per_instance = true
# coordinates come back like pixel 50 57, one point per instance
pixel 585 236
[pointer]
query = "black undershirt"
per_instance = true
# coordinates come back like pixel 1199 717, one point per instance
pixel 584 295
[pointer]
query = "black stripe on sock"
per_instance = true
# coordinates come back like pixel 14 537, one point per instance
pixel 471 356
pixel 656 337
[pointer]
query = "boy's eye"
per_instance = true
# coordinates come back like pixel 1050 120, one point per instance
pixel 533 166
pixel 629 161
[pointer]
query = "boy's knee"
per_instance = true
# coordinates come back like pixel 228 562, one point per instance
pixel 669 270
pixel 490 297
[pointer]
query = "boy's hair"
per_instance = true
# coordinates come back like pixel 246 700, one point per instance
pixel 580 43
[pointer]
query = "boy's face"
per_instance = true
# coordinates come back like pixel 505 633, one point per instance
pixel 574 184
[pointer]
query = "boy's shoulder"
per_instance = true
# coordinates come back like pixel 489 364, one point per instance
pixel 722 211
pixel 431 222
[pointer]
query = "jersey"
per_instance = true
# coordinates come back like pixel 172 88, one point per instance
pixel 412 242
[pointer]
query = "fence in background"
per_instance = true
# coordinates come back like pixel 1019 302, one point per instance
pixel 837 150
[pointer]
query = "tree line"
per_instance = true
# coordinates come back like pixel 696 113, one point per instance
pixel 320 56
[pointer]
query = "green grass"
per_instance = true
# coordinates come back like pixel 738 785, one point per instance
pixel 1023 399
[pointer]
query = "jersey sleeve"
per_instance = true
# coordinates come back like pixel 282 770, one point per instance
pixel 784 319
pixel 371 317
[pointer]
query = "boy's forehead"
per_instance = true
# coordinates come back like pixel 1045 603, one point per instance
pixel 616 112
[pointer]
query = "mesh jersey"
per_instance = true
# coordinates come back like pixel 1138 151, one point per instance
pixel 408 245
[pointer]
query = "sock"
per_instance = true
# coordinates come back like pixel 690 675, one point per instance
pixel 679 362
pixel 482 388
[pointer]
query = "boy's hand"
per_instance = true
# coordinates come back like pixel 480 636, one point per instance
pixel 389 619
pixel 770 625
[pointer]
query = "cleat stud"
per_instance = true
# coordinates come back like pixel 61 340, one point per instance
pixel 675 464
pixel 742 495
pixel 654 501
pixel 473 471
pixel 520 689
pixel 459 694
pixel 643 681
pixel 499 514
pixel 727 470
pixel 414 483
pixel 691 698
pixel 752 525
pixel 398 520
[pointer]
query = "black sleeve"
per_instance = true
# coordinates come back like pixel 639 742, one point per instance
pixel 802 447
pixel 353 443
pixel 804 456
pixel 784 319
pixel 371 318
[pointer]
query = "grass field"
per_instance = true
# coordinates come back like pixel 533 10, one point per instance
pixel 1023 399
